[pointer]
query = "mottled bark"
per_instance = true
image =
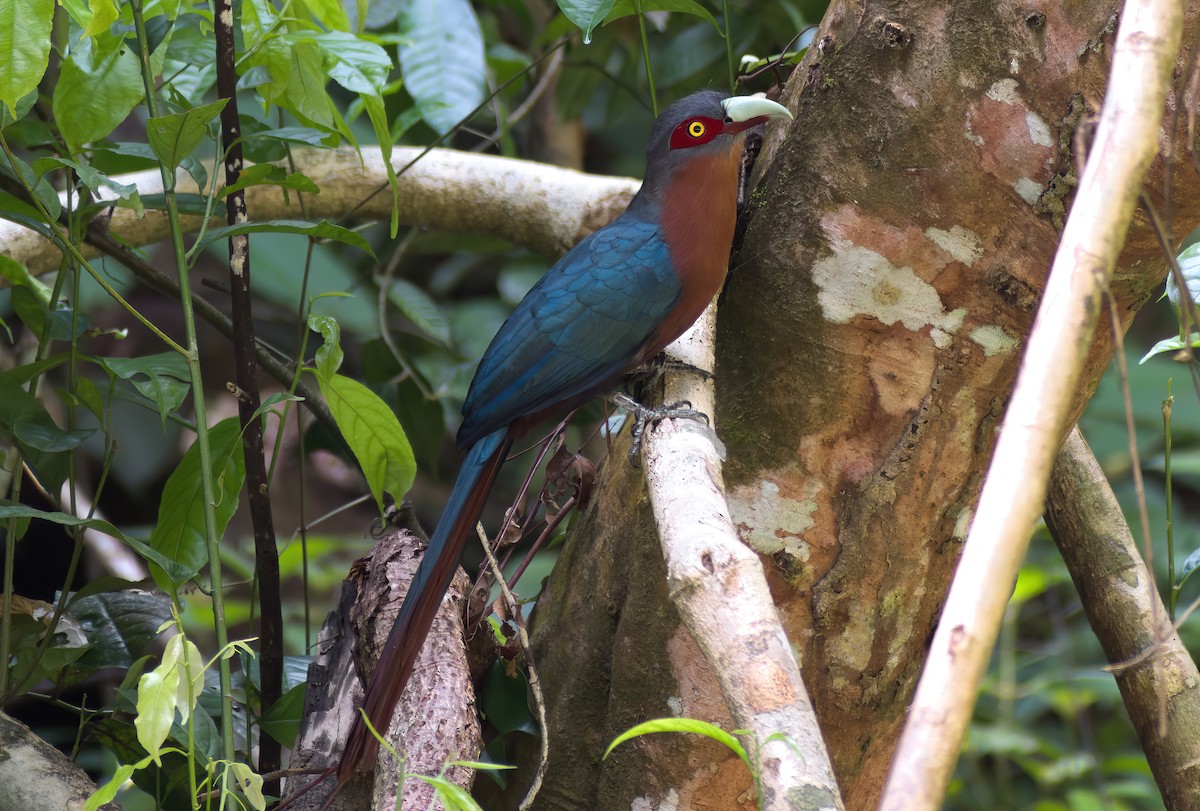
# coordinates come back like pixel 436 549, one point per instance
pixel 896 249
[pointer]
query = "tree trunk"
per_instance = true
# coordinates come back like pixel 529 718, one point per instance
pixel 894 256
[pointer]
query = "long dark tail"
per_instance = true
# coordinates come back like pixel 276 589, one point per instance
pixel 423 598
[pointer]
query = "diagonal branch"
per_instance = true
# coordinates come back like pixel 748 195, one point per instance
pixel 718 586
pixel 1121 601
pixel 1011 500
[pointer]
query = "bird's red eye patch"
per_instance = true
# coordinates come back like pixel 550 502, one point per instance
pixel 696 131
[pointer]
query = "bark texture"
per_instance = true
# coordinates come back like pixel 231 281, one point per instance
pixel 1153 669
pixel 34 776
pixel 896 249
pixel 436 720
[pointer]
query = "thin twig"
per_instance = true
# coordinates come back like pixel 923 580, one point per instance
pixel 535 686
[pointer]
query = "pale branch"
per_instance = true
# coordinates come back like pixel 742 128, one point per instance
pixel 543 208
pixel 1153 669
pixel 1010 503
pixel 719 588
pixel 34 776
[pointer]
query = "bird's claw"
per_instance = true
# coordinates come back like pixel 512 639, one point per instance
pixel 645 415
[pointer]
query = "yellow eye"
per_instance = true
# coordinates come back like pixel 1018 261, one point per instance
pixel 696 129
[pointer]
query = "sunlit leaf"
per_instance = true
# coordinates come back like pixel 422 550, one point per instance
pixel 156 695
pixel 174 137
pixel 24 47
pixel 95 92
pixel 683 725
pixel 374 435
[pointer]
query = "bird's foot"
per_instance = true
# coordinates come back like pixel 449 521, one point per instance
pixel 645 415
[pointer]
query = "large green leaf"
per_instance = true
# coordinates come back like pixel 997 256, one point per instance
pixel 317 230
pixel 173 137
pixel 121 625
pixel 95 92
pixel 180 534
pixel 162 379
pixel 418 307
pixel 586 14
pixel 156 696
pixel 24 47
pixel 22 512
pixel 282 720
pixel 22 418
pixel 443 62
pixel 373 434
pixel 356 64
pixel 626 8
pixel 306 94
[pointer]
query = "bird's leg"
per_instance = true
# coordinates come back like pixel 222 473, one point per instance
pixel 644 415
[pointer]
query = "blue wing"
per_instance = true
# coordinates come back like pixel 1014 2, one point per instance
pixel 577 329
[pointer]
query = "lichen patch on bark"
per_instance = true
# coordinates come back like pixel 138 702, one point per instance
pixel 771 521
pixel 855 280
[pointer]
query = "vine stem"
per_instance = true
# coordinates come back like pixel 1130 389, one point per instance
pixel 192 355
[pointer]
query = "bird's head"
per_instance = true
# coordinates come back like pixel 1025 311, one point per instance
pixel 705 123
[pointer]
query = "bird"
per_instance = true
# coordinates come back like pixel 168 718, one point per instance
pixel 610 304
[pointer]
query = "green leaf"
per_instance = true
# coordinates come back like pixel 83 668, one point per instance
pixel 104 13
pixel 31 308
pixel 24 47
pixel 22 414
pixel 586 14
pixel 96 181
pixel 419 308
pixel 373 434
pixel 282 720
pixel 95 92
pixel 50 438
pixel 683 725
pixel 19 276
pixel 319 230
pixel 121 625
pixel 627 8
pixel 157 691
pixel 20 511
pixel 108 792
pixel 305 82
pixel 329 13
pixel 250 784
pixel 1172 345
pixel 174 137
pixel 443 66
pixel 262 174
pixel 453 796
pixel 329 356
pixel 180 534
pixel 356 64
pixel 162 379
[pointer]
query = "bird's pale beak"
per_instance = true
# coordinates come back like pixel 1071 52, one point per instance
pixel 749 111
